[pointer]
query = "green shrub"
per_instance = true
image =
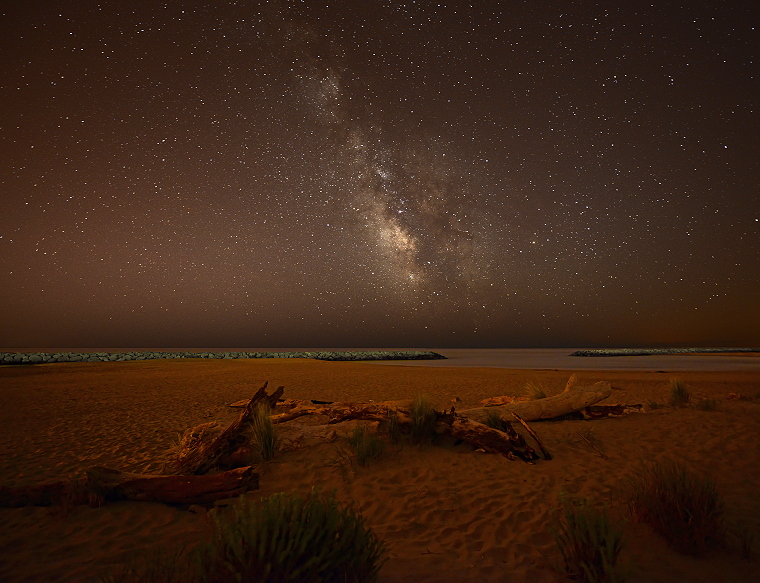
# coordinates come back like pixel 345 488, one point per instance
pixel 535 390
pixel 423 420
pixel 590 545
pixel 366 445
pixel 290 538
pixel 263 437
pixel 679 396
pixel 707 404
pixel 682 507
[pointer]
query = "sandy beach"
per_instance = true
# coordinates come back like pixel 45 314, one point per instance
pixel 445 511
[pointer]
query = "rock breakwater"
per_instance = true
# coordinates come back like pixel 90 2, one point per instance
pixel 52 357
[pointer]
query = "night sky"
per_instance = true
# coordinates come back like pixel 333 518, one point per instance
pixel 379 173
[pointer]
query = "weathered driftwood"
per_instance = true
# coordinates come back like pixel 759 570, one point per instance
pixel 604 411
pixel 105 484
pixel 547 455
pixel 115 485
pixel 459 425
pixel 198 456
pixel 507 442
pixel 573 398
pixel 39 495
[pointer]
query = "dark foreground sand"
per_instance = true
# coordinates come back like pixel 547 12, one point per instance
pixel 447 513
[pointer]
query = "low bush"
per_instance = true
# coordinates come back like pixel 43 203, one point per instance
pixel 287 537
pixel 589 543
pixel 682 507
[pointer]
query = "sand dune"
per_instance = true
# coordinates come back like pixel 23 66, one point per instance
pixel 446 512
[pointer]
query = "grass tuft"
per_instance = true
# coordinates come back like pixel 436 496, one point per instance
pixel 679 395
pixel 654 404
pixel 264 440
pixel 287 537
pixel 366 444
pixel 423 420
pixel 343 462
pixel 535 390
pixel 495 421
pixel 682 507
pixel 589 543
pixel 393 427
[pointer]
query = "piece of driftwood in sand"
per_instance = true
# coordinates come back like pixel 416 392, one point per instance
pixel 507 442
pixel 115 485
pixel 198 456
pixel 39 495
pixel 605 411
pixel 573 398
pixel 104 484
pixel 544 451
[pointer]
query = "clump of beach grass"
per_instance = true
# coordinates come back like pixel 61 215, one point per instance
pixel 264 440
pixel 366 445
pixel 495 421
pixel 287 537
pixel 535 390
pixel 652 404
pixel 679 395
pixel 707 404
pixel 679 505
pixel 589 543
pixel 423 420
pixel 393 428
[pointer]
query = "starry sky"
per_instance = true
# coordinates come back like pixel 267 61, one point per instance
pixel 379 173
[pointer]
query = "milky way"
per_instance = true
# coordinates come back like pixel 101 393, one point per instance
pixel 263 174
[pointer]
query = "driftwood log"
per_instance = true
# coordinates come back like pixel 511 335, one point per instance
pixel 573 398
pixel 104 484
pixel 115 485
pixel 506 441
pixel 198 457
